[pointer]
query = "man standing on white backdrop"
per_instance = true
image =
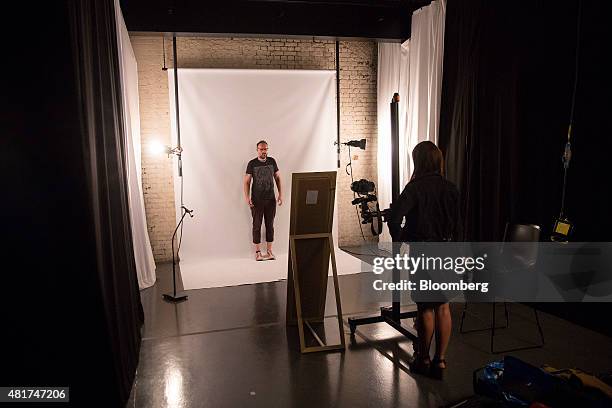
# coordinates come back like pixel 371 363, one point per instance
pixel 263 172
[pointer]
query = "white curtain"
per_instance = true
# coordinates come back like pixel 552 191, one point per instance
pixel 414 70
pixel 426 56
pixel 145 264
pixel 393 77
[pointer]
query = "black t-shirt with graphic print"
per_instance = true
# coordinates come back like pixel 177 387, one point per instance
pixel 263 178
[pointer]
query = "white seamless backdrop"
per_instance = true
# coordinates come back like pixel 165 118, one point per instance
pixel 223 113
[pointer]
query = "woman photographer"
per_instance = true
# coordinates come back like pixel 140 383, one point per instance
pixel 430 205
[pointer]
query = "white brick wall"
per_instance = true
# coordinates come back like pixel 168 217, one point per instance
pixel 357 99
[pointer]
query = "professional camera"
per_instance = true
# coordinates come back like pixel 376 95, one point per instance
pixel 363 188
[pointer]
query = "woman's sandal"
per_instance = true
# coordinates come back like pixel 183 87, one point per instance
pixel 438 366
pixel 420 365
pixel 258 256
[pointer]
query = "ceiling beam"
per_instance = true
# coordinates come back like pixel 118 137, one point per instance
pixel 367 19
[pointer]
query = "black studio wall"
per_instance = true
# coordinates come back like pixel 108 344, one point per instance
pixel 507 93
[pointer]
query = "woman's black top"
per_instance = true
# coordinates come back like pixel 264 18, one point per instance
pixel 430 204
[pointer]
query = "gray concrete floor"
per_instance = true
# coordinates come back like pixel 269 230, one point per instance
pixel 230 347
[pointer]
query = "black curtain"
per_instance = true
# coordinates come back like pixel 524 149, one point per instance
pixel 506 100
pixel 98 74
pixel 70 307
pixel 479 131
pixel 509 73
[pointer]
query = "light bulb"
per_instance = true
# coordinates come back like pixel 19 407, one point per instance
pixel 156 148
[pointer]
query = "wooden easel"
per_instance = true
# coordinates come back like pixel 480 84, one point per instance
pixel 311 246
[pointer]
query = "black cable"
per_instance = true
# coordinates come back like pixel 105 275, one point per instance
pixel 337 61
pixel 182 182
pixel 181 236
pixel 350 165
pixel 164 68
pixel 567 153
pixel 360 226
pixel 575 70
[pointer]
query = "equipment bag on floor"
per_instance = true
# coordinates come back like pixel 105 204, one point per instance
pixel 518 384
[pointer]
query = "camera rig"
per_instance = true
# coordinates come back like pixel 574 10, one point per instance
pixel 366 193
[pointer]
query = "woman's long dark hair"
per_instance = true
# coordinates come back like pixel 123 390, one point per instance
pixel 427 158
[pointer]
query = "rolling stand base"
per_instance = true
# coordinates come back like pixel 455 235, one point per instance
pixel 179 297
pixel 388 316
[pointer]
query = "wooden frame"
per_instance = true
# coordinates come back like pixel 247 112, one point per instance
pixel 311 246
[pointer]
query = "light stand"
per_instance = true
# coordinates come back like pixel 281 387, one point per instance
pixel 175 297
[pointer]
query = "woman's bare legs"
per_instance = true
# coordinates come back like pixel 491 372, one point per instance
pixel 443 331
pixel 425 329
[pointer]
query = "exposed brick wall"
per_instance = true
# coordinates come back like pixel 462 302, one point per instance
pixel 357 103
